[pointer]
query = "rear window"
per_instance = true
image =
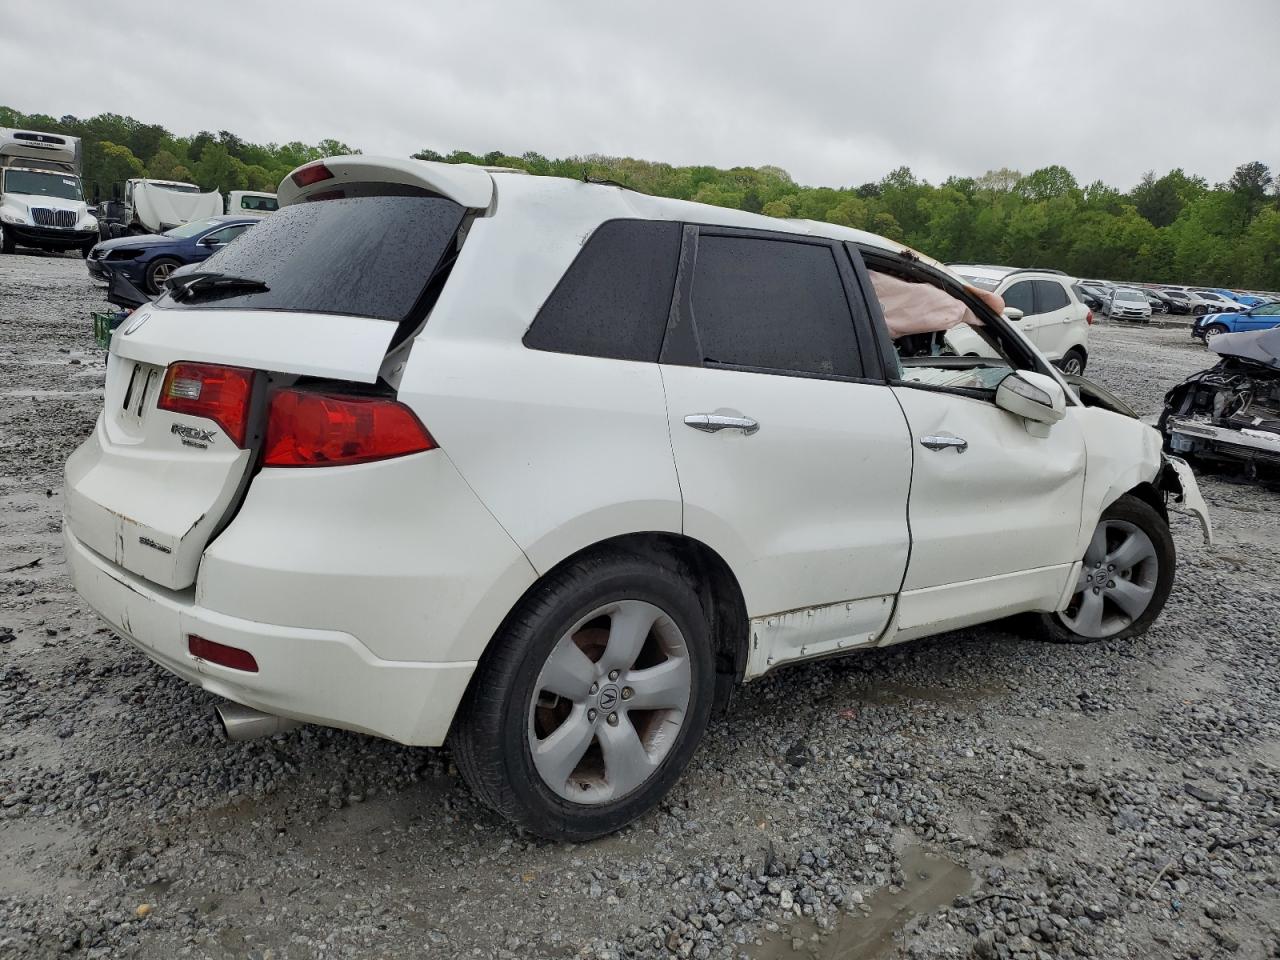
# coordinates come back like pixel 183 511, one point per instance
pixel 364 256
pixel 1051 296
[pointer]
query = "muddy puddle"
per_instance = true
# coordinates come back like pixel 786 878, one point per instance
pixel 932 882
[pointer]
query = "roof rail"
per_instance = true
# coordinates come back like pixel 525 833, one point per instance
pixel 1061 273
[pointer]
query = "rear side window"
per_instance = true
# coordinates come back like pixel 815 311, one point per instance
pixel 1021 297
pixel 614 299
pixel 1050 296
pixel 365 256
pixel 773 305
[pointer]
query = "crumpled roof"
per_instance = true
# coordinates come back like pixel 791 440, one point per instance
pixel 1262 346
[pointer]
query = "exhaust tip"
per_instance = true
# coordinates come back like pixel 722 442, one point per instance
pixel 244 723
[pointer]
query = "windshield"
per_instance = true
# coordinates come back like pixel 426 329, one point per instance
pixel 43 184
pixel 192 229
pixel 368 256
pixel 982 283
pixel 1129 295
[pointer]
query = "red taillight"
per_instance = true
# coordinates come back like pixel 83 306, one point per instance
pixel 310 429
pixel 1088 317
pixel 220 394
pixel 221 654
pixel 314 173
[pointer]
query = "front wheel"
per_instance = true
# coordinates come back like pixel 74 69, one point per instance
pixel 158 271
pixel 1124 581
pixel 1213 330
pixel 591 700
pixel 6 241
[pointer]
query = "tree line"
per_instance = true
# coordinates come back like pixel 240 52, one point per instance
pixel 1174 228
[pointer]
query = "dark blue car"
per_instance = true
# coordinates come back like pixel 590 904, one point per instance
pixel 1261 317
pixel 147 260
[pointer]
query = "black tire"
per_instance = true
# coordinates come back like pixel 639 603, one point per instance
pixel 1139 513
pixel 1199 310
pixel 1072 357
pixel 6 241
pixel 1213 330
pixel 490 738
pixel 153 284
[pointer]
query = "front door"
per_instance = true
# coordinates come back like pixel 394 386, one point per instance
pixel 995 510
pixel 794 466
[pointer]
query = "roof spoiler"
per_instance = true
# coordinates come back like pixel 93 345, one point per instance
pixel 463 183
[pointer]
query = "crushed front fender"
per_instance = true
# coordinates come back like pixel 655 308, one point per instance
pixel 1182 493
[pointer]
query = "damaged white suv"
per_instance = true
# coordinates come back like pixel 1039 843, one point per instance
pixel 543 468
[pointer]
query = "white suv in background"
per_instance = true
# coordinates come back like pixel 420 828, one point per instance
pixel 1043 305
pixel 550 466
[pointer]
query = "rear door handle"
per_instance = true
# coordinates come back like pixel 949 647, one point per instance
pixel 714 423
pixel 942 443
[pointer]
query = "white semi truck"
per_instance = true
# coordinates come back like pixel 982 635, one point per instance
pixel 154 206
pixel 42 202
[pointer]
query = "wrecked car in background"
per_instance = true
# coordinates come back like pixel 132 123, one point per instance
pixel 1231 412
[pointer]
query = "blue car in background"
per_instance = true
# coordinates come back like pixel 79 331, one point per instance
pixel 148 260
pixel 1261 317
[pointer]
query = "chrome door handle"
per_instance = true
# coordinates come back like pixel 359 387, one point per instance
pixel 714 423
pixel 942 443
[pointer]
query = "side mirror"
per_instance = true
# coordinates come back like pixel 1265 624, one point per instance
pixel 1013 313
pixel 1035 397
pixel 210 243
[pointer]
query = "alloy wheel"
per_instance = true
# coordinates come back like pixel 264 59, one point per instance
pixel 1072 366
pixel 609 702
pixel 161 273
pixel 1117 581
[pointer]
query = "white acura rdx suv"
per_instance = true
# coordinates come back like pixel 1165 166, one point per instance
pixel 543 468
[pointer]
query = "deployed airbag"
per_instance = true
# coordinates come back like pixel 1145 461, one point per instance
pixel 912 308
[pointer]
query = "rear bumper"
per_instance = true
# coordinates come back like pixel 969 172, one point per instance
pixel 316 676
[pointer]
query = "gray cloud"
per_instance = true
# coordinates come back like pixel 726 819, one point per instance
pixel 837 93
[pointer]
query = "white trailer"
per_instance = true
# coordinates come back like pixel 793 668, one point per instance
pixel 42 201
pixel 251 203
pixel 154 206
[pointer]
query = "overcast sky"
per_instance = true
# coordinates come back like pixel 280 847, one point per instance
pixel 836 93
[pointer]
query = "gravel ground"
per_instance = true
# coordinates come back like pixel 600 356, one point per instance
pixel 972 795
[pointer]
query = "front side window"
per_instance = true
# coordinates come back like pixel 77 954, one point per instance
pixel 918 316
pixel 774 306
pixel 1021 296
pixel 615 298
pixel 227 234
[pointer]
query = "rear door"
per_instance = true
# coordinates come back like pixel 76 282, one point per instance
pixel 1056 312
pixel 333 285
pixel 793 456
pixel 1021 295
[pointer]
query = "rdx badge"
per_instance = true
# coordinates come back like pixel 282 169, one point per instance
pixel 191 436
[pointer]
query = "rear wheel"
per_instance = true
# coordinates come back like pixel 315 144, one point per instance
pixel 158 272
pixel 1073 361
pixel 1124 581
pixel 592 699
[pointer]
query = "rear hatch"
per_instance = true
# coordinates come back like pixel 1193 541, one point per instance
pixel 318 292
